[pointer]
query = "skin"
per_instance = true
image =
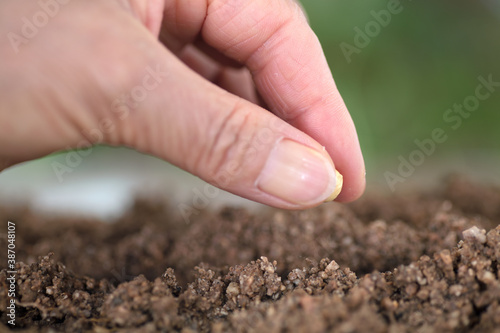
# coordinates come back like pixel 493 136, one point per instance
pixel 224 65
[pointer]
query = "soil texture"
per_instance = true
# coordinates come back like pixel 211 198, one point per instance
pixel 423 262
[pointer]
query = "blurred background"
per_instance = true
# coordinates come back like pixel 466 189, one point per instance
pixel 398 74
pixel 400 85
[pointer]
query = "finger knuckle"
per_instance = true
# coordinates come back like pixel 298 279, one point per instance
pixel 229 147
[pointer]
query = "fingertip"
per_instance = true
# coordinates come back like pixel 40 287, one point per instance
pixel 354 187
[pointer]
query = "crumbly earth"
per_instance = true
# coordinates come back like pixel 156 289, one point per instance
pixel 419 263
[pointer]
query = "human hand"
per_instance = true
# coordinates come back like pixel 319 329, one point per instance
pixel 96 72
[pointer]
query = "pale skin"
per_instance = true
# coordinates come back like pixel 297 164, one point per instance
pixel 235 79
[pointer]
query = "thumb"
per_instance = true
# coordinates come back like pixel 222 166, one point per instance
pixel 227 141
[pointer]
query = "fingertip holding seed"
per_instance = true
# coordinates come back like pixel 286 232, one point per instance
pixel 338 187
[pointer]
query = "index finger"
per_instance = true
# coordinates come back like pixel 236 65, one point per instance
pixel 273 39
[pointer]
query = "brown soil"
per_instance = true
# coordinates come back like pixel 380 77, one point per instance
pixel 419 263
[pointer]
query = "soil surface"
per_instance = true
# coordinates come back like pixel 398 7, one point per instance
pixel 414 263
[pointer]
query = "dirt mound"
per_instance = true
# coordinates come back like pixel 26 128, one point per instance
pixel 421 263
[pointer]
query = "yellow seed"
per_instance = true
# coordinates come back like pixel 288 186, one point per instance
pixel 338 187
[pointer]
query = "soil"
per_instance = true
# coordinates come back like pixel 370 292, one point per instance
pixel 424 262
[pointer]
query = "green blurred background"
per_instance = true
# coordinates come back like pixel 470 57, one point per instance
pixel 399 86
pixel 397 89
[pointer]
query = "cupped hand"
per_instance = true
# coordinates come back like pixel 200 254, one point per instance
pixel 236 92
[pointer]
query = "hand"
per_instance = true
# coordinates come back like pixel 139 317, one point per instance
pixel 141 73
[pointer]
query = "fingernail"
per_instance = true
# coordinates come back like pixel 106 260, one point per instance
pixel 298 174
